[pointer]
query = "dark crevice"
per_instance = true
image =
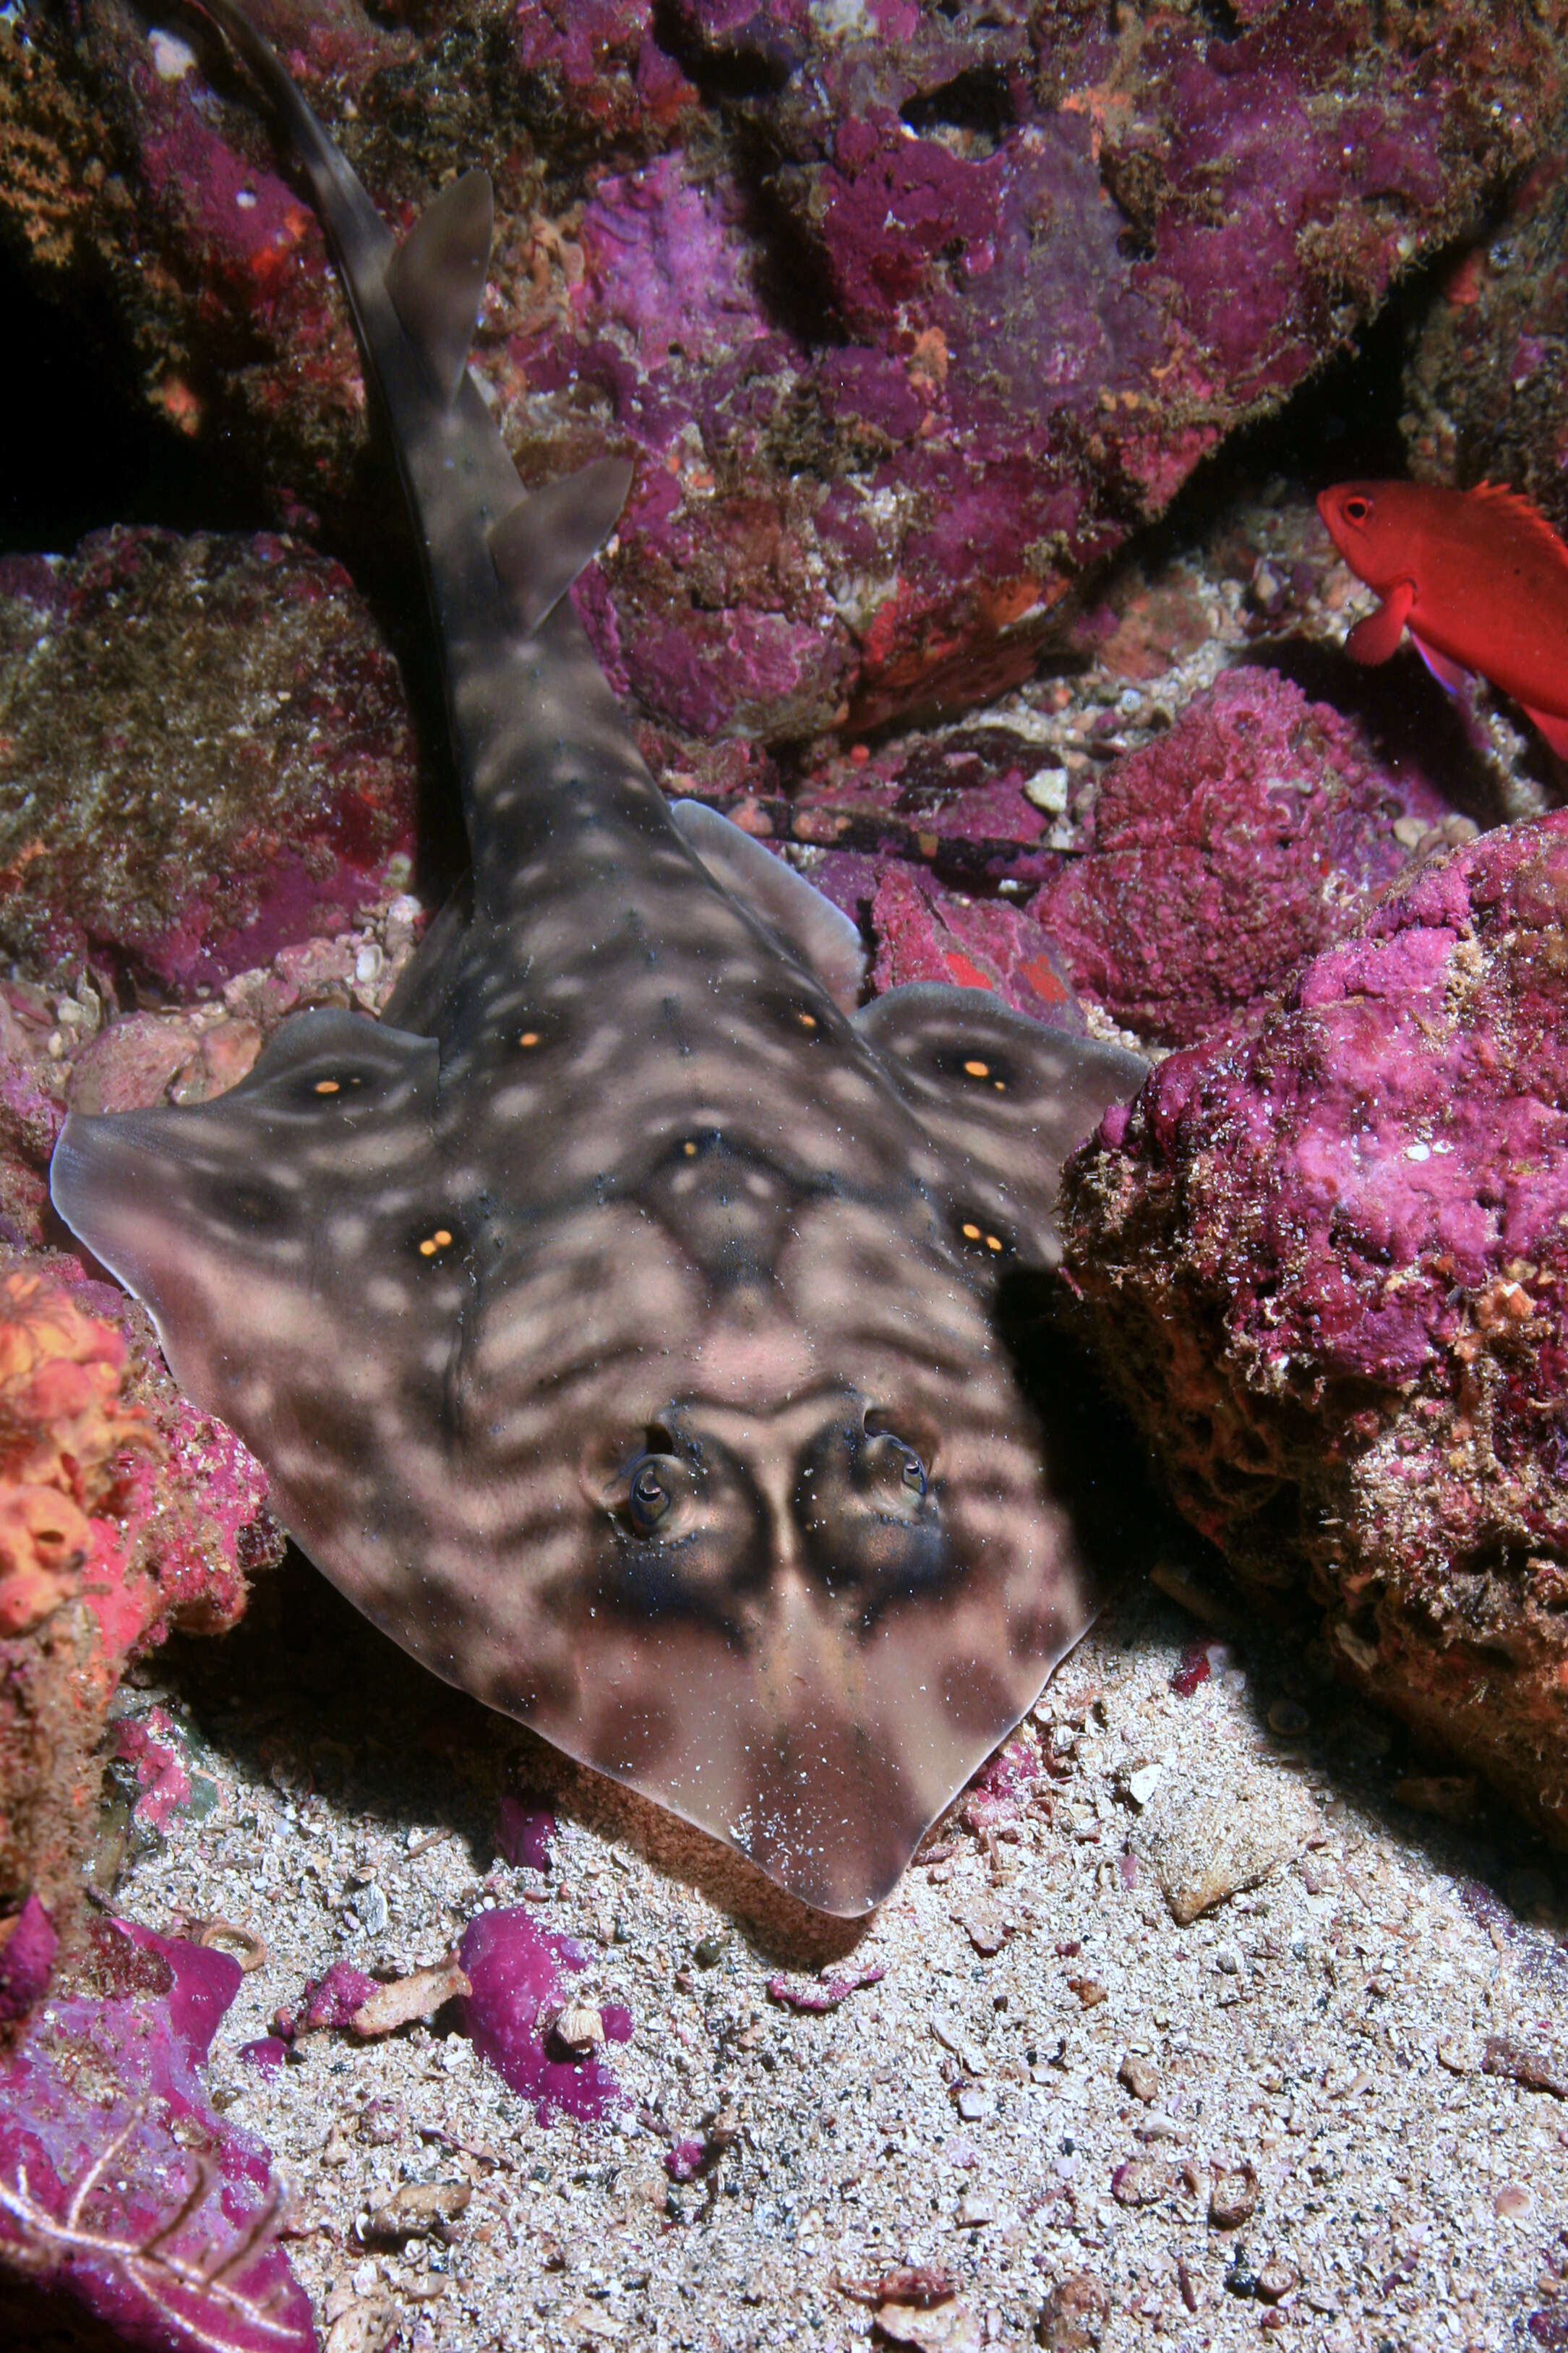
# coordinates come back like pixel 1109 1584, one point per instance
pixel 759 70
pixel 85 452
pixel 978 100
pixel 789 274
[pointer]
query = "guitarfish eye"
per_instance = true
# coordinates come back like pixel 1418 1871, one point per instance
pixel 894 1466
pixel 651 1497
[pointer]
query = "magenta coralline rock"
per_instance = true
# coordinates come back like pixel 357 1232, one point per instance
pixel 153 1756
pixel 905 313
pixel 1003 1784
pixel 1251 833
pixel 267 2053
pixel 332 2000
pixel 685 2159
pixel 1192 1669
pixel 120 2190
pixel 27 1956
pixel 1328 1267
pixel 599 65
pixel 828 1993
pixel 515 1969
pixel 524 1829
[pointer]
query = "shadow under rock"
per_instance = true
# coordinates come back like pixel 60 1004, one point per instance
pixel 1506 1877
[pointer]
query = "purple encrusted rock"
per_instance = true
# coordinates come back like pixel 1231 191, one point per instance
pixel 524 1830
pixel 923 932
pixel 685 2159
pixel 123 2193
pixel 904 312
pixel 1250 835
pixel 267 2055
pixel 332 1999
pixel 828 1992
pixel 516 1970
pixel 1329 1268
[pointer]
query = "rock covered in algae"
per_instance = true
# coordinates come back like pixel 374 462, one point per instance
pixel 207 752
pixel 123 1513
pixel 1249 835
pixel 1329 1265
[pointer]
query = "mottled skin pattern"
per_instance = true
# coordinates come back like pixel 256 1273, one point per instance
pixel 616 1320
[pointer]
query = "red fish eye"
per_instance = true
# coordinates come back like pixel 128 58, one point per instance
pixel 1357 510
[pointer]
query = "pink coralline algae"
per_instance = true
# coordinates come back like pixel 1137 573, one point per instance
pixel 1250 835
pixel 1192 1670
pixel 828 1993
pixel 907 313
pixel 924 932
pixel 523 1834
pixel 151 1750
pixel 685 2159
pixel 998 1792
pixel 123 2195
pixel 332 2000
pixel 516 1969
pixel 1329 1265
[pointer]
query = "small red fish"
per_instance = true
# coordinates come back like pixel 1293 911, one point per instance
pixel 1479 579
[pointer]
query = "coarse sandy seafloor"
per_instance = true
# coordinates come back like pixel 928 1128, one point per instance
pixel 1313 2048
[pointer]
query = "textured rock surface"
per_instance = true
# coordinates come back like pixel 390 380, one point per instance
pixel 906 311
pixel 123 1511
pixel 1488 396
pixel 1249 835
pixel 203 752
pixel 1331 1267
